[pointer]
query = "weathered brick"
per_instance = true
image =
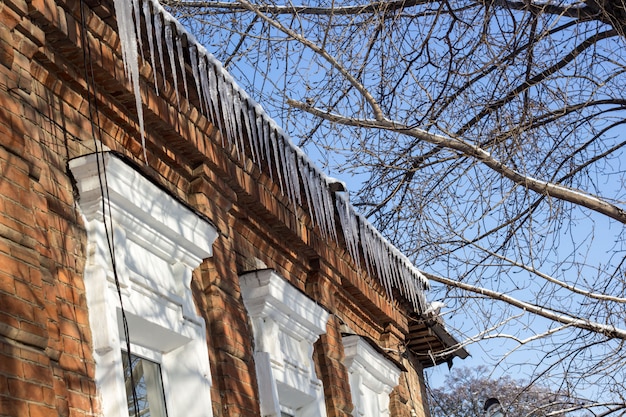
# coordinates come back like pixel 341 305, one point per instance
pixel 37 410
pixel 10 365
pixel 7 54
pixel 24 254
pixel 80 401
pixel 37 373
pixel 25 390
pixel 9 19
pixel 70 328
pixel 7 284
pixel 62 407
pixel 44 9
pixel 11 407
pixel 16 307
pixel 43 242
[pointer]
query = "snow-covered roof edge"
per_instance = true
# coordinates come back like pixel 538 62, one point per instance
pixel 232 110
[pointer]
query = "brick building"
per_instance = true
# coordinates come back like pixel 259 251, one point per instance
pixel 155 222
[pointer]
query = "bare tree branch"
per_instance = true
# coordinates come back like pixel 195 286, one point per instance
pixel 238 6
pixel 484 138
pixel 537 78
pixel 606 330
pixel 541 187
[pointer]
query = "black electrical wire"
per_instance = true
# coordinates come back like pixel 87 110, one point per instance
pixel 102 176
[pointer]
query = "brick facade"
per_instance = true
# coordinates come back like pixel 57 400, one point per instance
pixel 63 91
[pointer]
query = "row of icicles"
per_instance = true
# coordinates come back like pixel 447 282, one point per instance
pixel 237 116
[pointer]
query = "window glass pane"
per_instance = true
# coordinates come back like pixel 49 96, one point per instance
pixel 148 387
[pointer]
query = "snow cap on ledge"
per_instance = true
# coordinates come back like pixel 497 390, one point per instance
pixel 247 129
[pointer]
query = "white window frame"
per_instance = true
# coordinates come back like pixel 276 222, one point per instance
pixel 372 377
pixel 158 243
pixel 286 324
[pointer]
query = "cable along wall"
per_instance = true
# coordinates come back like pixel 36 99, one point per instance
pixel 246 128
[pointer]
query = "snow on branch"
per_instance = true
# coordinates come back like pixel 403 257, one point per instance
pixel 248 130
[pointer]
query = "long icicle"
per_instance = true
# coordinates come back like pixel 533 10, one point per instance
pixel 128 40
pixel 147 16
pixel 181 62
pixel 300 181
pixel 169 42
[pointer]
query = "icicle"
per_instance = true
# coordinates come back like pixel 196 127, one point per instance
pixel 219 84
pixel 408 283
pixel 385 265
pixel 277 159
pixel 209 86
pixel 238 122
pixel 304 174
pixel 415 291
pixel 318 204
pixel 181 62
pixel 391 266
pixel 204 91
pixel 291 177
pixel 230 113
pixel 405 287
pixel 341 205
pixel 349 226
pixel 147 15
pixel 214 97
pixel 128 40
pixel 226 100
pixel 373 252
pixel 314 194
pixel 253 134
pixel 196 76
pixel 329 209
pixel 137 10
pixel 224 103
pixel 353 225
pixel 169 42
pixel 293 172
pixel 236 139
pixel 265 129
pixel 158 29
pixel 379 260
pixel 284 153
pixel 127 35
pixel 366 246
pixel 221 105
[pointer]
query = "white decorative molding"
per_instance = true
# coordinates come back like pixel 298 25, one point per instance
pixel 372 377
pixel 286 324
pixel 157 243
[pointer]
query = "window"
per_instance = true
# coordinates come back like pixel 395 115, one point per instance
pixel 144 387
pixel 158 243
pixel 372 377
pixel 285 323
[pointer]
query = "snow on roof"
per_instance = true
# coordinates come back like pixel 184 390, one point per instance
pixel 233 111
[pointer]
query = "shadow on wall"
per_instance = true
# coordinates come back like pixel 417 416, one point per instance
pixel 44 317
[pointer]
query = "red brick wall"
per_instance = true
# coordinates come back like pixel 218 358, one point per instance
pixel 47 118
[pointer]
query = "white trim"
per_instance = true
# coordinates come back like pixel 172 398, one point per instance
pixel 142 352
pixel 285 324
pixel 372 377
pixel 158 242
